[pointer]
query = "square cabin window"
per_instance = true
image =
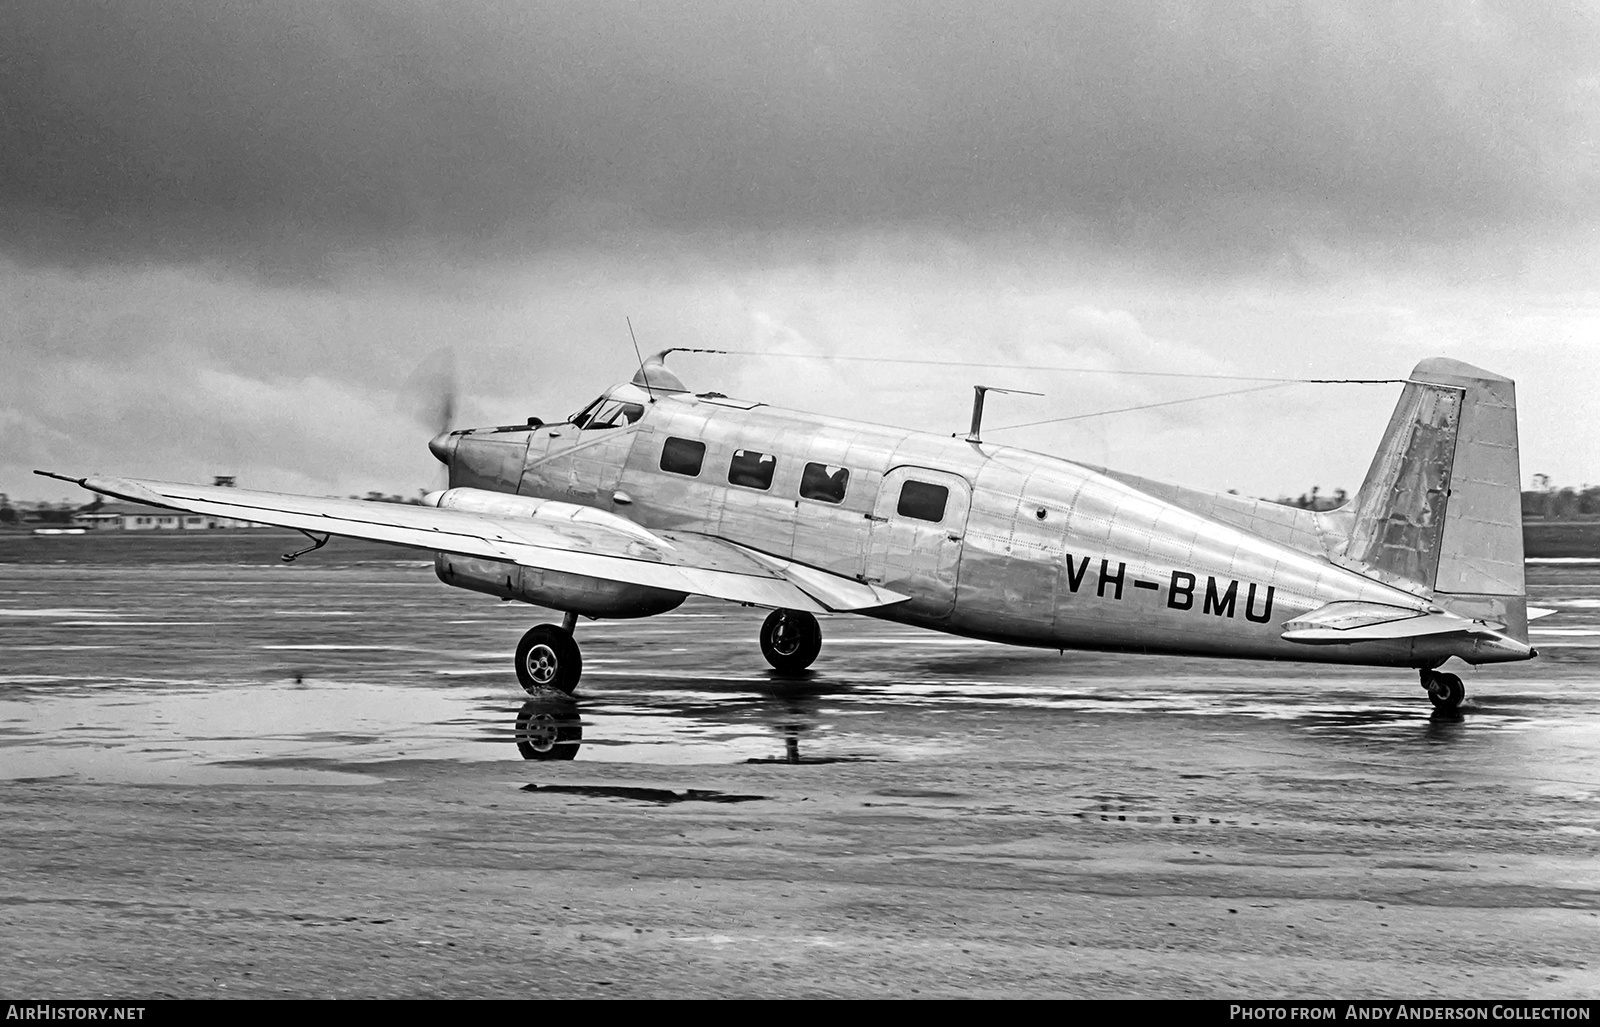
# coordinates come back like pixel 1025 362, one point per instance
pixel 923 501
pixel 751 469
pixel 681 456
pixel 823 483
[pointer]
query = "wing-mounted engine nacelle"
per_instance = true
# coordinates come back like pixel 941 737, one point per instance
pixel 558 590
pixel 577 593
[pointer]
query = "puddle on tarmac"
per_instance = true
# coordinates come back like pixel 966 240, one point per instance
pixel 186 731
pixel 142 730
pixel 193 733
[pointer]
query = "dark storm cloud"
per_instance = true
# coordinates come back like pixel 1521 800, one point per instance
pixel 198 129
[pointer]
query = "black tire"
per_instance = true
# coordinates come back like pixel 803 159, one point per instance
pixel 549 730
pixel 790 640
pixel 547 658
pixel 1449 693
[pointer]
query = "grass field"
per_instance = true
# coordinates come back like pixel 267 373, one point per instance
pixel 1561 538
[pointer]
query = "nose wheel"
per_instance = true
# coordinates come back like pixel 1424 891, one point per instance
pixel 1445 691
pixel 548 657
pixel 790 640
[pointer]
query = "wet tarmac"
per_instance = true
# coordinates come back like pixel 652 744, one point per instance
pixel 323 779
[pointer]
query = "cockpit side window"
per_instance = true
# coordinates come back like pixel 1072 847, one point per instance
pixel 606 416
pixel 614 414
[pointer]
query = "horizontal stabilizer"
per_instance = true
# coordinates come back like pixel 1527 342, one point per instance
pixel 1345 622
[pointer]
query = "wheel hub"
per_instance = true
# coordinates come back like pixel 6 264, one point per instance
pixel 542 664
pixel 785 639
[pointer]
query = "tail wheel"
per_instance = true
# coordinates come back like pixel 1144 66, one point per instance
pixel 1447 691
pixel 547 658
pixel 790 640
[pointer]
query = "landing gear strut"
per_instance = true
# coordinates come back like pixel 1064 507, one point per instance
pixel 790 640
pixel 547 657
pixel 1445 691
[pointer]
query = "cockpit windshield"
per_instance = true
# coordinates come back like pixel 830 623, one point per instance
pixel 587 413
pixel 616 408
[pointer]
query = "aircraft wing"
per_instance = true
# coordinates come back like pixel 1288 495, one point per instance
pixel 678 561
pixel 1347 622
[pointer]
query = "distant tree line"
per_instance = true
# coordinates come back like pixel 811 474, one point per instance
pixel 1563 504
pixel 1542 502
pixel 34 513
pixel 1315 500
pixel 379 497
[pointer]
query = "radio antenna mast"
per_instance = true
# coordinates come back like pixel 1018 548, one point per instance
pixel 644 375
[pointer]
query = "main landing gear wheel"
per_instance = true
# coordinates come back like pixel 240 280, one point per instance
pixel 547 657
pixel 790 640
pixel 1445 691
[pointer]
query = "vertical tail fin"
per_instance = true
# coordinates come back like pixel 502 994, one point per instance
pixel 1440 511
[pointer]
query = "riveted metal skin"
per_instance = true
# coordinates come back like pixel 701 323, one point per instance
pixel 1037 550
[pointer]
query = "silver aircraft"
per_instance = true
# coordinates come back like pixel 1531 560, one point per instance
pixel 652 493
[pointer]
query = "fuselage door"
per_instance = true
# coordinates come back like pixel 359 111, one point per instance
pixel 918 522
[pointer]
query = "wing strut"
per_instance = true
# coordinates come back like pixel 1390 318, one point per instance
pixel 316 544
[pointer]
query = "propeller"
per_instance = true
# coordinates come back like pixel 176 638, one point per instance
pixel 431 396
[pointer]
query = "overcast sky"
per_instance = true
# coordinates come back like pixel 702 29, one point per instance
pixel 235 236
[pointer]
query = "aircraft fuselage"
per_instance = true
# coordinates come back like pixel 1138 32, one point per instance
pixel 988 541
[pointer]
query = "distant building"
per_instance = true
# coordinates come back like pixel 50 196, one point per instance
pixel 103 516
pixel 131 517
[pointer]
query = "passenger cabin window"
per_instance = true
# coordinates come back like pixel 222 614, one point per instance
pixel 823 483
pixel 681 456
pixel 751 469
pixel 923 501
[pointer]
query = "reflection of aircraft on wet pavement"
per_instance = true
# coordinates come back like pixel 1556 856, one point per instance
pixel 550 725
pixel 652 493
pixel 549 729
